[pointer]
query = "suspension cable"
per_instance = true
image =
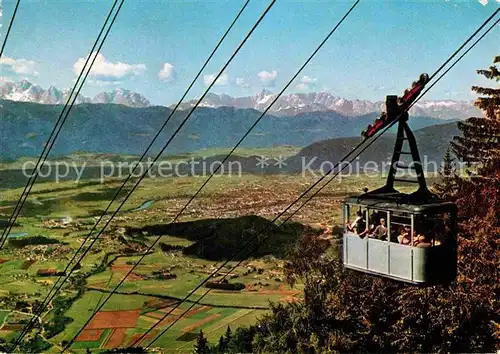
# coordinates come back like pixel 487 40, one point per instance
pixel 154 243
pixel 254 27
pixel 59 124
pixel 8 29
pixel 117 193
pixel 303 194
pixel 409 107
pixel 241 140
pixel 380 134
pixel 47 300
pixel 48 147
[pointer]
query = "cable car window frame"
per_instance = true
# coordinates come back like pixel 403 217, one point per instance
pixel 386 218
pixel 440 219
pixel 413 222
pixel 410 224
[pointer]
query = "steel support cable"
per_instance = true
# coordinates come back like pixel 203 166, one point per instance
pixel 254 27
pixel 44 303
pixel 59 124
pixel 397 119
pixel 465 43
pixel 117 193
pixel 9 28
pixel 315 184
pixel 48 147
pixel 154 243
pixel 239 142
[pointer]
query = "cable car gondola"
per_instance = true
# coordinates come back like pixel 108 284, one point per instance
pixel 406 237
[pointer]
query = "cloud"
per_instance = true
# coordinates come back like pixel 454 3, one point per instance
pixel 221 81
pixel 306 83
pixel 451 93
pixel 105 83
pixel 167 74
pixel 268 78
pixel 102 83
pixel 106 71
pixel 240 82
pixel 20 66
pixel 302 87
pixel 308 80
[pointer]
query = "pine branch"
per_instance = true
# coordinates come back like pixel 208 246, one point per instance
pixel 490 74
pixel 486 91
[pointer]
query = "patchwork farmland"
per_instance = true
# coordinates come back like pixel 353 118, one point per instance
pixel 51 229
pixel 229 211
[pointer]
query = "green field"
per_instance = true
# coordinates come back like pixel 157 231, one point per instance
pixel 3 316
pixel 95 158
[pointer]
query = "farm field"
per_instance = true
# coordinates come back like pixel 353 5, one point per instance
pixel 58 216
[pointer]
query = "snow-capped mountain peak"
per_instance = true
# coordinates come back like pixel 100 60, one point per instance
pixel 26 91
pixel 264 97
pixel 286 105
pixel 296 103
pixel 122 96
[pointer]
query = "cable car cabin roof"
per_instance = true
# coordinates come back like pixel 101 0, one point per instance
pixel 402 202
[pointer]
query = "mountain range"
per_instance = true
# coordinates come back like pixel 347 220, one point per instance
pixel 287 105
pixel 322 155
pixel 311 159
pixel 118 129
pixel 25 91
pixel 299 103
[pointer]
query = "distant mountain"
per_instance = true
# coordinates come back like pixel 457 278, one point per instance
pixel 321 156
pixel 298 103
pixel 25 91
pixel 286 106
pixel 432 143
pixel 122 96
pixel 109 128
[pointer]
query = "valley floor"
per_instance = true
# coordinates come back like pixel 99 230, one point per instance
pixel 64 213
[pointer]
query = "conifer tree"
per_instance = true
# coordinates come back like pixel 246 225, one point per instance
pixel 221 347
pixel 229 334
pixel 201 346
pixel 480 140
pixel 448 181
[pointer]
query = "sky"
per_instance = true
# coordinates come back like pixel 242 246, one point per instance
pixel 156 47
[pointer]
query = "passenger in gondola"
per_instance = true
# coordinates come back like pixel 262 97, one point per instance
pixel 404 237
pixel 369 230
pixel 358 225
pixel 374 221
pixel 439 232
pixel 380 231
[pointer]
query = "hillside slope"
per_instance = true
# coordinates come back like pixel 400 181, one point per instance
pixel 432 143
pixel 109 128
